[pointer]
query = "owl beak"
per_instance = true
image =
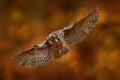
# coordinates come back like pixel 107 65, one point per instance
pixel 56 40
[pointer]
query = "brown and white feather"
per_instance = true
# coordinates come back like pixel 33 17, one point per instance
pixel 38 55
pixel 79 30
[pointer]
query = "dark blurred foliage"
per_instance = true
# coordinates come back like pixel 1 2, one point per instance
pixel 24 23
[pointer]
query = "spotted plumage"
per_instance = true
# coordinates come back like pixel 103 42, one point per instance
pixel 56 44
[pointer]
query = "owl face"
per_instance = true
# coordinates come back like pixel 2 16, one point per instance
pixel 54 39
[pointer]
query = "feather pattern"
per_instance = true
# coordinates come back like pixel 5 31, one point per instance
pixel 79 30
pixel 38 55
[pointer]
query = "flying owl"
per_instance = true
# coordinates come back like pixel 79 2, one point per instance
pixel 56 44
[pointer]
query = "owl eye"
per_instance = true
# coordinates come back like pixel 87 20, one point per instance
pixel 53 37
pixel 58 39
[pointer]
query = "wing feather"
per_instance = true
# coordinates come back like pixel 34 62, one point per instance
pixel 35 56
pixel 79 30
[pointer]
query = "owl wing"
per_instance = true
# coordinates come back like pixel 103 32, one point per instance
pixel 79 30
pixel 36 56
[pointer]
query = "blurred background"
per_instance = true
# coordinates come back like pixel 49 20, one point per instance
pixel 24 23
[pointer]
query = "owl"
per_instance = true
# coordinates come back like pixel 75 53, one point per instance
pixel 56 44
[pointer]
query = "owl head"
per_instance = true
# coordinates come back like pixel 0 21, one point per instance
pixel 55 38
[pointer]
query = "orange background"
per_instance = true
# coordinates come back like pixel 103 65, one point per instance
pixel 24 23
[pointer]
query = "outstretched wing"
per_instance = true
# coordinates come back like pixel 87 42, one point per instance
pixel 79 30
pixel 36 56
